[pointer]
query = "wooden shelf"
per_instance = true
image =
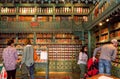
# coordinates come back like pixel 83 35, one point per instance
pixel 105 33
pixel 8 14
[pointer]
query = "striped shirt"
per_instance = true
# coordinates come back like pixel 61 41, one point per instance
pixel 9 58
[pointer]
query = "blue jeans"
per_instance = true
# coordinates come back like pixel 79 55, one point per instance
pixel 104 66
pixel 31 71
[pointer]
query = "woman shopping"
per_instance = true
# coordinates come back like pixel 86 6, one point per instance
pixel 82 61
pixel 9 59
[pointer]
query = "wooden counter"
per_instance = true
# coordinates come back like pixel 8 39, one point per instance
pixel 99 75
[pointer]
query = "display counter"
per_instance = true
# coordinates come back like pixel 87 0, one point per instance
pixel 102 76
pixel 40 66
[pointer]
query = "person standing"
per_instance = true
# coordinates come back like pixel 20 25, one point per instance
pixel 107 54
pixel 82 61
pixel 9 59
pixel 28 58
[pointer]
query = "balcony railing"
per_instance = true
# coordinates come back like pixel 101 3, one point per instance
pixel 54 26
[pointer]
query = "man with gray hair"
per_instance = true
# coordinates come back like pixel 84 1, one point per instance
pixel 108 53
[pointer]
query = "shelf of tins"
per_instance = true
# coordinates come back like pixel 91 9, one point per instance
pixel 45 18
pixel 116 64
pixel 104 8
pixel 107 33
pixel 62 57
pixel 62 48
pixel 23 10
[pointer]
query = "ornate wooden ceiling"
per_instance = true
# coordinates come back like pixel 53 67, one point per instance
pixel 51 1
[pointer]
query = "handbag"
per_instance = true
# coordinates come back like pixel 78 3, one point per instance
pixel 24 69
pixel 18 65
pixel 3 73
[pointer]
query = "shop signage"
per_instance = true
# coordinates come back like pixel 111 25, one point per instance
pixel 34 24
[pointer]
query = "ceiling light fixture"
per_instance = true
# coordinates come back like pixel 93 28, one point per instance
pixel 107 20
pixel 100 24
